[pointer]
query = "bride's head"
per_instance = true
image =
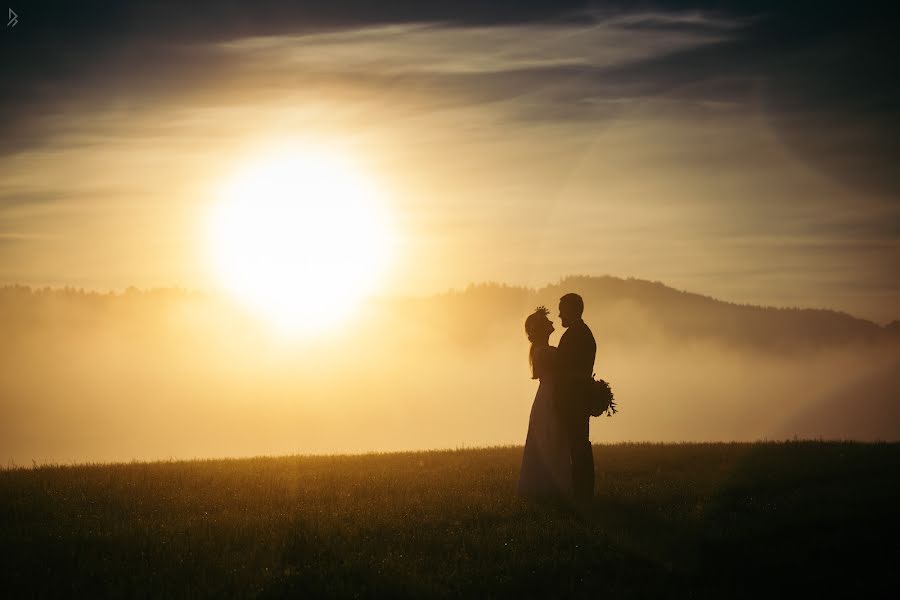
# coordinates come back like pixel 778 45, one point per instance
pixel 538 329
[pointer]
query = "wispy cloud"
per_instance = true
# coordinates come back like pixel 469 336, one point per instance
pixel 443 49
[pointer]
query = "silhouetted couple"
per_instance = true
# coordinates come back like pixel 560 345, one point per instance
pixel 558 463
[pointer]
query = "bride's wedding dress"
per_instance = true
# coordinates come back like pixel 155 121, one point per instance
pixel 546 466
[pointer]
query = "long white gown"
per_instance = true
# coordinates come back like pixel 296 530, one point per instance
pixel 546 466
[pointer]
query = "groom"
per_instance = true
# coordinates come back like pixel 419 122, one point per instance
pixel 575 356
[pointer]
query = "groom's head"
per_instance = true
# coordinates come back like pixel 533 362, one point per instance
pixel 571 306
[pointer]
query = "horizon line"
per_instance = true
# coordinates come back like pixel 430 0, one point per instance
pixel 119 291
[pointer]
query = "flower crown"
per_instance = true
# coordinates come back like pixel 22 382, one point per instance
pixel 541 310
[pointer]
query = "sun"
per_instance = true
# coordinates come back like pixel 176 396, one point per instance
pixel 300 236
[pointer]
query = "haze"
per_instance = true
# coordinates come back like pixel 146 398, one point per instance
pixel 172 374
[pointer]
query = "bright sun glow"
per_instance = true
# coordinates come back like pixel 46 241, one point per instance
pixel 300 236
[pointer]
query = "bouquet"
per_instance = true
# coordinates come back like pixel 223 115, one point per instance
pixel 601 399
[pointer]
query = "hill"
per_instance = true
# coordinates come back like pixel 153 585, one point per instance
pixel 629 311
pixel 701 521
pixel 635 312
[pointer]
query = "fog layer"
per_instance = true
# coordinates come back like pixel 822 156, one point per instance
pixel 171 374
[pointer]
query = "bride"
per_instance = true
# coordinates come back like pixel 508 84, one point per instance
pixel 546 467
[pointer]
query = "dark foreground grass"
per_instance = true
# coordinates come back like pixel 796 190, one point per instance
pixel 688 520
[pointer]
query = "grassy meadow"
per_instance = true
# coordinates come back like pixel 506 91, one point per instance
pixel 682 520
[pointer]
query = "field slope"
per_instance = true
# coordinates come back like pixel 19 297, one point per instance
pixel 699 520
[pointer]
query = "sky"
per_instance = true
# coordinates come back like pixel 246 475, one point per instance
pixel 745 151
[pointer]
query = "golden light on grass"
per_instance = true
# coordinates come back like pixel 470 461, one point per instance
pixel 300 236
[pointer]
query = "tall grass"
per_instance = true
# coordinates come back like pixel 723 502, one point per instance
pixel 699 520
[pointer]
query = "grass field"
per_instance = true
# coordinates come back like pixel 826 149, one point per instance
pixel 686 520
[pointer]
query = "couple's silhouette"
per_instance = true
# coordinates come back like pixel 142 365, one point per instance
pixel 558 462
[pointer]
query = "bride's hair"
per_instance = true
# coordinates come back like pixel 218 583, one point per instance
pixel 532 324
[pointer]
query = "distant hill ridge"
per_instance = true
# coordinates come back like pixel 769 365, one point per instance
pixel 619 310
pixel 630 310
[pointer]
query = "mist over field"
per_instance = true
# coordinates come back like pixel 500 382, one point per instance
pixel 175 374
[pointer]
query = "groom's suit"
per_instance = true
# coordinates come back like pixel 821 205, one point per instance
pixel 575 362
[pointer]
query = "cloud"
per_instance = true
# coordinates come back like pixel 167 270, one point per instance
pixel 824 75
pixel 444 49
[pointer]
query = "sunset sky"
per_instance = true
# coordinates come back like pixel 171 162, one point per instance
pixel 740 150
